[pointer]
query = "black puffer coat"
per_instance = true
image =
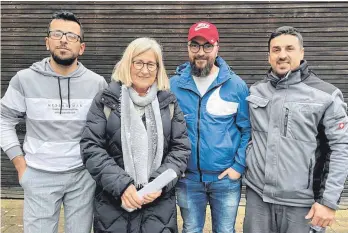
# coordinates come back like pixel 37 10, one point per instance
pixel 102 154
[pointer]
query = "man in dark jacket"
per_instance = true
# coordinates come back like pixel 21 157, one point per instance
pixel 213 99
pixel 297 162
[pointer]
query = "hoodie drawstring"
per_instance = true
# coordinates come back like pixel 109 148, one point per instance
pixel 69 92
pixel 60 95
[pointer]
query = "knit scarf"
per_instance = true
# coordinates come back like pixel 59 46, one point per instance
pixel 142 145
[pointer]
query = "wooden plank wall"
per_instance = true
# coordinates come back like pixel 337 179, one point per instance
pixel 244 30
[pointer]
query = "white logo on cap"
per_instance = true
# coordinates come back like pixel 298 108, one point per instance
pixel 201 26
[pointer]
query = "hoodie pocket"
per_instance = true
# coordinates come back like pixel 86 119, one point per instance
pixel 258 108
pixel 309 173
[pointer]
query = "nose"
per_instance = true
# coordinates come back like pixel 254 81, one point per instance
pixel 145 70
pixel 283 54
pixel 64 38
pixel 200 51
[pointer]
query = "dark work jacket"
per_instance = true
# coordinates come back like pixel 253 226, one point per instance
pixel 101 150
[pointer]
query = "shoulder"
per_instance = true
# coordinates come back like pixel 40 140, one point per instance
pixel 259 85
pixel 91 74
pixel 25 73
pixel 174 80
pixel 166 97
pixel 236 84
pixel 315 82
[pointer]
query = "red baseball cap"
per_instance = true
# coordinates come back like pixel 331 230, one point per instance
pixel 204 29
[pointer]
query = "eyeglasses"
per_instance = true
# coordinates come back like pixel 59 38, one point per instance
pixel 57 35
pixel 195 47
pixel 150 65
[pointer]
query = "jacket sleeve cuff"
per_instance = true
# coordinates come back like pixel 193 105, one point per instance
pixel 125 187
pixel 14 152
pixel 328 204
pixel 239 168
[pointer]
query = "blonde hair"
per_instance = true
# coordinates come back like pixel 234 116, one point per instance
pixel 138 46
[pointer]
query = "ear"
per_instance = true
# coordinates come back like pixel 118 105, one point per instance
pixel 269 58
pixel 82 48
pixel 302 53
pixel 47 44
pixel 217 50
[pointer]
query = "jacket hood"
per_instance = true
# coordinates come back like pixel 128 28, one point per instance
pixel 180 69
pixel 43 67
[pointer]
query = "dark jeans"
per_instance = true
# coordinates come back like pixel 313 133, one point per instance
pixel 262 217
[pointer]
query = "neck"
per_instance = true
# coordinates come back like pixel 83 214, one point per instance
pixel 63 70
pixel 141 91
pixel 213 70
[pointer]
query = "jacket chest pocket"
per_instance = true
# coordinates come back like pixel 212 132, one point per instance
pixel 301 120
pixel 259 112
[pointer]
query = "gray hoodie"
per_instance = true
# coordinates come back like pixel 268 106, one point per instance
pixel 55 109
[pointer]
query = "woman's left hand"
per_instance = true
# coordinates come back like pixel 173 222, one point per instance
pixel 151 197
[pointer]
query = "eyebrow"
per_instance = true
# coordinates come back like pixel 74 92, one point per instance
pixel 151 62
pixel 192 41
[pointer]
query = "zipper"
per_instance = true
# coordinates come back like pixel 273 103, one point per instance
pixel 198 124
pixel 198 139
pixel 309 173
pixel 286 121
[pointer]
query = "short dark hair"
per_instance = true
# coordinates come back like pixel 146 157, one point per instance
pixel 285 30
pixel 68 16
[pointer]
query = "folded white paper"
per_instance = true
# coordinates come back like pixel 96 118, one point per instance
pixel 155 185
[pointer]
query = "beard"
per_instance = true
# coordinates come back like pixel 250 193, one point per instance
pixel 204 71
pixel 64 61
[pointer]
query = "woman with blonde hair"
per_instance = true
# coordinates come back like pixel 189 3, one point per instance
pixel 134 132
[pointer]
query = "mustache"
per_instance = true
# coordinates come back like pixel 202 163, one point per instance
pixel 283 60
pixel 62 47
pixel 200 57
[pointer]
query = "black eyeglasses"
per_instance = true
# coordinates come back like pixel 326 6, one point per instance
pixel 150 65
pixel 57 35
pixel 195 47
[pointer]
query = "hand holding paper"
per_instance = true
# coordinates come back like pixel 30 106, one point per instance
pixel 148 198
pixel 152 187
pixel 131 199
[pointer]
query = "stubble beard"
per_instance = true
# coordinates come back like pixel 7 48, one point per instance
pixel 64 61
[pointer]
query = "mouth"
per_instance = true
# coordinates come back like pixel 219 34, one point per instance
pixel 60 48
pixel 200 60
pixel 283 62
pixel 143 77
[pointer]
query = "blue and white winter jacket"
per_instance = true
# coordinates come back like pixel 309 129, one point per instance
pixel 218 122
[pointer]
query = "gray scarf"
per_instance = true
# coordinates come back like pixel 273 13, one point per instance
pixel 142 147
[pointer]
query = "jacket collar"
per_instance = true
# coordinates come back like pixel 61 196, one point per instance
pixel 292 77
pixel 111 96
pixel 186 81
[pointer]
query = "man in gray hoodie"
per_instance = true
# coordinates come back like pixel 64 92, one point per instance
pixel 297 161
pixel 54 96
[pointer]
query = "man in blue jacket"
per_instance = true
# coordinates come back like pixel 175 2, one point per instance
pixel 213 99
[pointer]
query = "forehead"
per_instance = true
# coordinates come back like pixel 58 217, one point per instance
pixel 199 39
pixel 285 40
pixel 65 26
pixel 147 56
